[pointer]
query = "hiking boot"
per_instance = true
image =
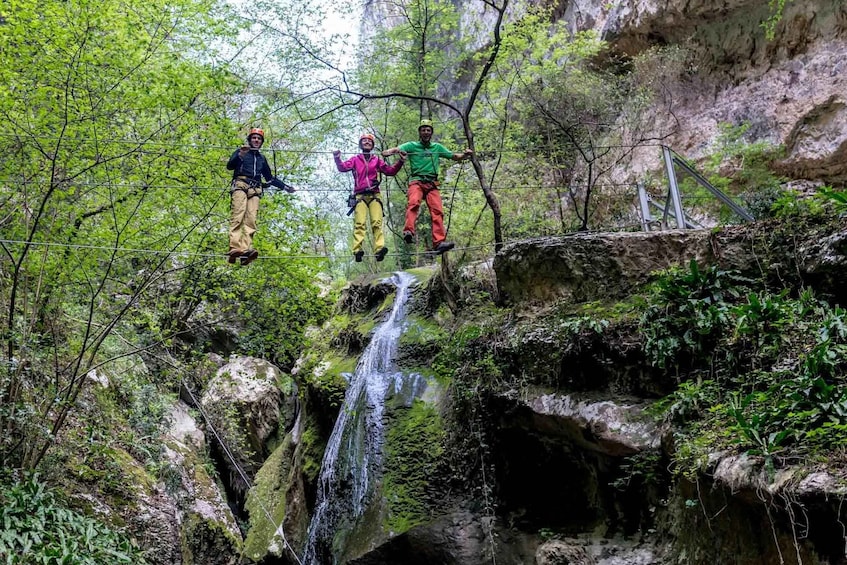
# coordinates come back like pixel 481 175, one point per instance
pixel 248 256
pixel 408 237
pixel 380 255
pixel 444 246
pixel 358 256
pixel 232 256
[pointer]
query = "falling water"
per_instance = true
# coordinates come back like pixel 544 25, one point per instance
pixel 352 460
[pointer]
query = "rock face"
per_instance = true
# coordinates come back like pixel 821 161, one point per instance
pixel 582 268
pixel 790 89
pixel 558 552
pixel 244 403
pixel 185 517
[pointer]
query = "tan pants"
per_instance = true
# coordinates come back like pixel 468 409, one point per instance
pixel 367 205
pixel 245 208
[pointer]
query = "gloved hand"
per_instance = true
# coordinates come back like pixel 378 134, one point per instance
pixel 279 184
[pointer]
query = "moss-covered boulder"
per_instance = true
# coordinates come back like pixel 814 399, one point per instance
pixel 246 402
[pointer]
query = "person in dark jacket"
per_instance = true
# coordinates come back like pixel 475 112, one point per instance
pixel 248 167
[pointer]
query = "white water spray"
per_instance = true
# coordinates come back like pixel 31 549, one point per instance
pixel 352 462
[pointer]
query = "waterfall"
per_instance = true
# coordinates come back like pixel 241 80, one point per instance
pixel 352 461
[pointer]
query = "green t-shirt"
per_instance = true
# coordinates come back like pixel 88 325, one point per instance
pixel 423 159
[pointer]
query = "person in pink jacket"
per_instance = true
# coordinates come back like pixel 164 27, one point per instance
pixel 366 168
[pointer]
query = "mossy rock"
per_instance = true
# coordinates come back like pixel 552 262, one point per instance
pixel 420 342
pixel 413 447
pixel 266 502
pixel 207 542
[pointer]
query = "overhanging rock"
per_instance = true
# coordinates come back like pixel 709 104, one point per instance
pixel 585 267
pixel 608 266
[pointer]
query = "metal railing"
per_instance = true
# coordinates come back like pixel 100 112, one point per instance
pixel 674 197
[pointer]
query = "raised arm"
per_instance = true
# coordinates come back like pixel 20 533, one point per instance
pixel 391 170
pixel 462 156
pixel 237 156
pixel 342 166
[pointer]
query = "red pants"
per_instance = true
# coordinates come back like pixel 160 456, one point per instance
pixel 417 191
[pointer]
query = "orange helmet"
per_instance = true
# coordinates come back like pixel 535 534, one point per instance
pixel 258 131
pixel 365 136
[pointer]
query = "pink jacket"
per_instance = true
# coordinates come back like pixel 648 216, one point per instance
pixel 365 170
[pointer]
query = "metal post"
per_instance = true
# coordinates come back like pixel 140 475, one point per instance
pixel 646 216
pixel 673 188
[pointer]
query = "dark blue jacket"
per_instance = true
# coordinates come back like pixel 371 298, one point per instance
pixel 254 166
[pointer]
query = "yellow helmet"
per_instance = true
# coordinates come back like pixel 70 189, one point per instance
pixel 425 124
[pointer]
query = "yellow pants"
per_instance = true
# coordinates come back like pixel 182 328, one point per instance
pixel 367 204
pixel 242 222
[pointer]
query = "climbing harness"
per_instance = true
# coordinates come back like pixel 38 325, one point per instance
pixel 355 198
pixel 251 187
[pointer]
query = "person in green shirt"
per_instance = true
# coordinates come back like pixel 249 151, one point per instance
pixel 424 156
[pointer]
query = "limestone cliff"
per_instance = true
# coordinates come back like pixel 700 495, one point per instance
pixel 789 89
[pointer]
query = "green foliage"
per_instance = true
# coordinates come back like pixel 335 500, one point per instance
pixel 100 113
pixel 639 471
pixel 37 528
pixel 776 8
pixel 465 354
pixel 689 402
pixel 837 197
pixel 114 131
pixel 565 103
pixel 277 304
pixel 688 312
pixel 790 204
pixel 738 167
pixel 763 317
pixel 579 324
pixel 781 388
pixel 413 447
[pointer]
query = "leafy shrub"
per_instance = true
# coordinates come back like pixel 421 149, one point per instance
pixel 837 197
pixel 793 402
pixel 689 402
pixel 792 204
pixel 688 311
pixel 37 529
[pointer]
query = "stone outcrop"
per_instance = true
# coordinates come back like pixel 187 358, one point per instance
pixel 586 267
pixel 560 552
pixel 185 517
pixel 581 268
pixel 246 402
pixel 612 428
pixel 789 90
